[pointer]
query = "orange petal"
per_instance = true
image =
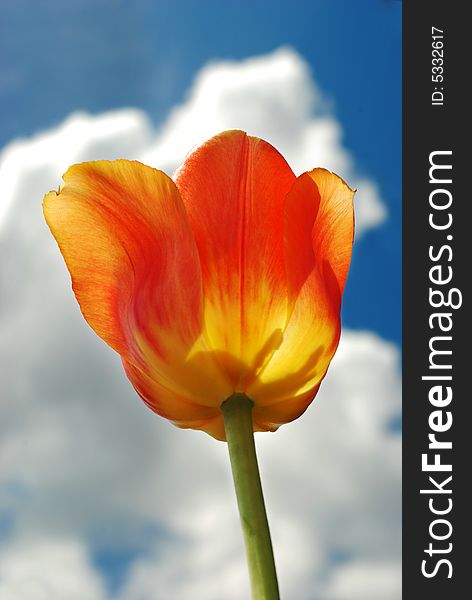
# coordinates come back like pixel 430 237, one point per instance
pixel 319 234
pixel 233 188
pixel 126 240
pixel 333 232
pixel 165 402
pixel 269 418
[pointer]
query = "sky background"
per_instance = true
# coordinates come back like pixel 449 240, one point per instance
pixel 99 499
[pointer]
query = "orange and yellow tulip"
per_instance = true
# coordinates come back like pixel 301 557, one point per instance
pixel 227 278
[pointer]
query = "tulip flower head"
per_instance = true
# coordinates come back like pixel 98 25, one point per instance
pixel 227 278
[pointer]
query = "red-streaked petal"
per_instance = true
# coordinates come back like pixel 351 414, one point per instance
pixel 124 233
pixel 319 234
pixel 234 188
pixel 165 402
pixel 333 232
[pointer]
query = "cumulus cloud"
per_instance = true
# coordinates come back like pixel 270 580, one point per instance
pixel 48 570
pixel 88 473
pixel 365 581
pixel 274 97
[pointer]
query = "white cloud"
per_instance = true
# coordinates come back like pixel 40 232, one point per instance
pixel 48 570
pixel 84 464
pixel 274 97
pixel 119 134
pixel 365 581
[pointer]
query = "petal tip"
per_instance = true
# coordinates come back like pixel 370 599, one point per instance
pixel 322 170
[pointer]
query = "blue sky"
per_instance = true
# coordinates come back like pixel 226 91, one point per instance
pixel 57 57
pixel 88 482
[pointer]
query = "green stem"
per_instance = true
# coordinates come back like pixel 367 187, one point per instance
pixel 237 410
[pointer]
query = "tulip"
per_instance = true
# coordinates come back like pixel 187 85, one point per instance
pixel 220 289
